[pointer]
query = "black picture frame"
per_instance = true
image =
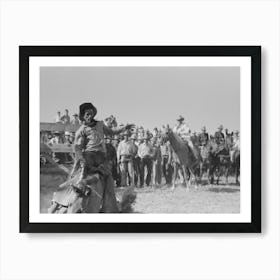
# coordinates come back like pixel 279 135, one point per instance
pixel 254 52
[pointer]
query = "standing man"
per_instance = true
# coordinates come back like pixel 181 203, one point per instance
pixel 126 153
pixel 146 153
pixel 66 118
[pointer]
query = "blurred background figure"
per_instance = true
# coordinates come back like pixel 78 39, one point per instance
pixel 76 120
pixel 58 118
pixel 66 118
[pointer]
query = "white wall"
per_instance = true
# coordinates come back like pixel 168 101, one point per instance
pixel 138 256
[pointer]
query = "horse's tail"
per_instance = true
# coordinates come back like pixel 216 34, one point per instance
pixel 128 198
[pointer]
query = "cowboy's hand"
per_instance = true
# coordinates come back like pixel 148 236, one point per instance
pixel 129 126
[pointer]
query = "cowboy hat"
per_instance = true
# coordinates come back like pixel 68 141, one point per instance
pixel 86 106
pixel 67 133
pixel 75 115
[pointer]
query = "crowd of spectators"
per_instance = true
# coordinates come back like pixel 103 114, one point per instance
pixel 138 157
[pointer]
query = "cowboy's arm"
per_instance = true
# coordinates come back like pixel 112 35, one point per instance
pixel 115 130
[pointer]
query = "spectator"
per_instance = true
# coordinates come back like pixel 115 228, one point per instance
pixel 58 118
pixel 146 153
pixel 66 118
pixel 126 154
pixel 75 121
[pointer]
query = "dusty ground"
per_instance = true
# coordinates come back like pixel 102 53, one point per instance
pixel 204 199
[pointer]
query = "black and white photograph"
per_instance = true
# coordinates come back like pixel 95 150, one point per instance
pixel 122 139
pixel 133 135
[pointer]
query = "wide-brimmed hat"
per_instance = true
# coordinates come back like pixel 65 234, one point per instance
pixel 75 115
pixel 56 133
pixel 84 107
pixel 181 118
pixel 67 133
pixel 220 126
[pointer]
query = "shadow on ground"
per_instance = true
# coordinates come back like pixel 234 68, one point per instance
pixel 223 190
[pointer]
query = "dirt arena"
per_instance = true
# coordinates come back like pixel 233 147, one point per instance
pixel 160 199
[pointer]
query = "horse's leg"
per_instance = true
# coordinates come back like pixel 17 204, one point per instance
pixel 175 171
pixel 187 181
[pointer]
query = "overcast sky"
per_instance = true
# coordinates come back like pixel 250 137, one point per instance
pixel 147 96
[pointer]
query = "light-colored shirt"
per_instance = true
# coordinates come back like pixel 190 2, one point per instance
pixel 145 150
pixel 91 137
pixel 127 148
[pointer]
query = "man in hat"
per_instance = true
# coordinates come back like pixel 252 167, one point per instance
pixel 203 137
pixel 90 149
pixel 183 130
pixel 126 153
pixel 219 135
pixel 146 154
pixel 66 118
pixel 75 121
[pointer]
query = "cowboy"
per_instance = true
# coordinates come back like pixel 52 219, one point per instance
pixel 203 137
pixel 183 130
pixel 75 121
pixel 166 157
pixel 66 118
pixel 219 135
pixel 146 153
pixel 90 150
pixel 126 153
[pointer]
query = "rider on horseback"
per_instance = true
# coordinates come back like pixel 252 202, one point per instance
pixel 183 130
pixel 91 151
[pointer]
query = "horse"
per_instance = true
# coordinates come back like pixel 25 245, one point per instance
pixel 184 157
pixel 90 191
